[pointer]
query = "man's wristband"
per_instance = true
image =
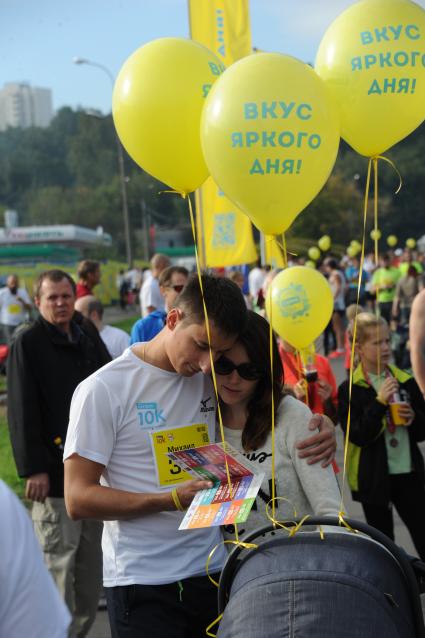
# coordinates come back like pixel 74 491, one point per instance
pixel 176 500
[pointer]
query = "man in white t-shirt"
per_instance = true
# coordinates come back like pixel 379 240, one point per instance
pixel 15 303
pixel 115 339
pixel 150 296
pixel 30 604
pixel 122 420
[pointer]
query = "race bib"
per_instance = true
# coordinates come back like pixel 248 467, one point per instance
pixel 173 440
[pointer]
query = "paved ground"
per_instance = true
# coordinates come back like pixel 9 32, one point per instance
pixel 101 627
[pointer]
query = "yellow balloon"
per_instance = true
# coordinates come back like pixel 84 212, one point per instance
pixel 314 253
pixel 310 264
pixel 392 240
pixel 356 244
pixel 371 57
pixel 299 305
pixel 375 234
pixel 270 136
pixel 324 243
pixel 411 243
pixel 157 104
pixel 352 250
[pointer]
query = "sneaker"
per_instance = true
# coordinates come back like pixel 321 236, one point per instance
pixel 336 353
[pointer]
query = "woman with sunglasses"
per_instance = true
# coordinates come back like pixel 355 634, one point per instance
pixel 245 388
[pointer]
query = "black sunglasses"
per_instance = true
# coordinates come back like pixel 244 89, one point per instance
pixel 177 287
pixel 247 371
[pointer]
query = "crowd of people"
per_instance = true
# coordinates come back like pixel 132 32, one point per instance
pixel 79 399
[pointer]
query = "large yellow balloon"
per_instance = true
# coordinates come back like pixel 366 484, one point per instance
pixel 157 104
pixel 270 136
pixel 372 59
pixel 299 304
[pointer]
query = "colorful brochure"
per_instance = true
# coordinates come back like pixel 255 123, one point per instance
pixel 222 504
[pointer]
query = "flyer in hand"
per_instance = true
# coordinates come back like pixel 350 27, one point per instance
pixel 221 504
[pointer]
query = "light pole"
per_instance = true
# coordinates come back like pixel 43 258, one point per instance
pixel 121 169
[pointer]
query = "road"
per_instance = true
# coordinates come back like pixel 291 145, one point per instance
pixel 353 509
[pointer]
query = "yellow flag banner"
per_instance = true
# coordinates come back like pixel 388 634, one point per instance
pixel 224 232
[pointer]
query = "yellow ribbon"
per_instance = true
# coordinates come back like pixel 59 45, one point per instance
pixel 292 529
pixel 238 543
pixel 207 325
pixel 343 523
pixel 217 620
pixel 373 162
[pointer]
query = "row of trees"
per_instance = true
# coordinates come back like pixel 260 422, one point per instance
pixel 68 173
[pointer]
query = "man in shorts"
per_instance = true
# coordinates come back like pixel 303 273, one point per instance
pixel 123 418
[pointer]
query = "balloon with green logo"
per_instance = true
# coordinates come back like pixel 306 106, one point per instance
pixel 299 305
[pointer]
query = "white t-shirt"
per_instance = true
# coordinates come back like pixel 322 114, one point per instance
pixel 115 339
pixel 256 279
pixel 310 489
pixel 12 311
pixel 150 296
pixel 112 415
pixel 30 604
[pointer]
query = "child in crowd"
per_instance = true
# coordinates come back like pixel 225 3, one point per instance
pixel 315 386
pixel 387 419
pixel 350 313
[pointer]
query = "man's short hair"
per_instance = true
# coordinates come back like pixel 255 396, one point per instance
pixel 164 278
pixel 224 301
pixel 86 267
pixel 54 275
pixel 95 306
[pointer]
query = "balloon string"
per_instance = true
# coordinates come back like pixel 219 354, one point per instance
pixel 207 325
pixel 392 164
pixel 353 344
pixel 375 215
pixel 273 477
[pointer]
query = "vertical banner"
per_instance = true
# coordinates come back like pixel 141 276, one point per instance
pixel 224 232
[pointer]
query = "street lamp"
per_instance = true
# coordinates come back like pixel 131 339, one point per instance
pixel 120 153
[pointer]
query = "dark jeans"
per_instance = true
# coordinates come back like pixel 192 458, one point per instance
pixel 179 610
pixel 408 497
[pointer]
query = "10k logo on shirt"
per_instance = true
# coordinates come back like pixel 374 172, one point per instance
pixel 150 415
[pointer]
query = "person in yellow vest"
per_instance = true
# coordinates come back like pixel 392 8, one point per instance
pixel 384 282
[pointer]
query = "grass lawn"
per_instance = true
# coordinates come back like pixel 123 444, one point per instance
pixel 127 323
pixel 7 464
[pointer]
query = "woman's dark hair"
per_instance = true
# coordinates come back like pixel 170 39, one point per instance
pixel 256 341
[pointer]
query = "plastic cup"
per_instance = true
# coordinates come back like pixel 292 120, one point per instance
pixel 395 413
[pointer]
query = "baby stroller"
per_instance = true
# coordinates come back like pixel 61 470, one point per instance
pixel 352 585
